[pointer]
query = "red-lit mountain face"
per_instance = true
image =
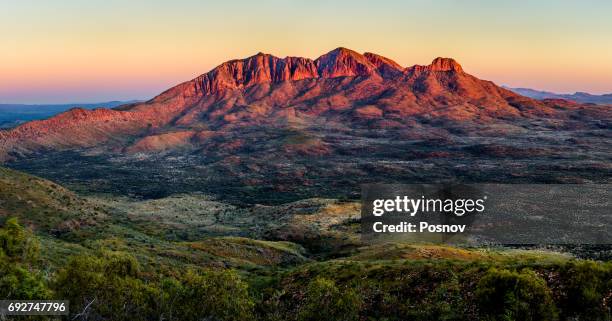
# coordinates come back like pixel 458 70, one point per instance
pixel 343 104
pixel 341 87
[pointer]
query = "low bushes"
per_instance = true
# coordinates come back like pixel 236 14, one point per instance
pixel 112 285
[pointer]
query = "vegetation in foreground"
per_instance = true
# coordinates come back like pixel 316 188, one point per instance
pixel 114 285
pixel 191 258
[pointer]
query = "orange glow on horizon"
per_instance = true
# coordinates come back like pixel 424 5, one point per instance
pixel 69 52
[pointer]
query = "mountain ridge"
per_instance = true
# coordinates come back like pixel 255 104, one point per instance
pixel 12 115
pixel 340 87
pixel 340 62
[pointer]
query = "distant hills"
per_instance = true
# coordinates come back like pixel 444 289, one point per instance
pixel 12 115
pixel 580 97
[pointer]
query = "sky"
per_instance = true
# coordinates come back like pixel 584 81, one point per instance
pixel 66 51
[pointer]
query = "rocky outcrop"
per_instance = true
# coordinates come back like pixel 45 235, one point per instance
pixel 257 69
pixel 445 64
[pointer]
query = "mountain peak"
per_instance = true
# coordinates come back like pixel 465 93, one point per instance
pixel 259 54
pixel 386 66
pixel 343 62
pixel 342 51
pixel 445 64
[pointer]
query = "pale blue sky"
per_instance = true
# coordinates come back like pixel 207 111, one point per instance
pixel 66 51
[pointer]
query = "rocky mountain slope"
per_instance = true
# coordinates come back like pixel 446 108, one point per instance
pixel 341 86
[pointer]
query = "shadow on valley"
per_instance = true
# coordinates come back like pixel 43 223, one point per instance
pixel 263 172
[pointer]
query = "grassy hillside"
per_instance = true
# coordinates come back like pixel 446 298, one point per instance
pixel 194 230
pixel 164 234
pixel 184 256
pixel 44 205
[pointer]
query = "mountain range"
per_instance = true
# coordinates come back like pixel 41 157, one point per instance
pixel 308 126
pixel 580 97
pixel 341 86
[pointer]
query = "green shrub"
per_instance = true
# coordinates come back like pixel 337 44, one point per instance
pixel 121 264
pixel 18 244
pixel 18 256
pixel 446 302
pixel 106 287
pixel 109 286
pixel 17 282
pixel 213 295
pixel 507 295
pixel 324 300
pixel 585 287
